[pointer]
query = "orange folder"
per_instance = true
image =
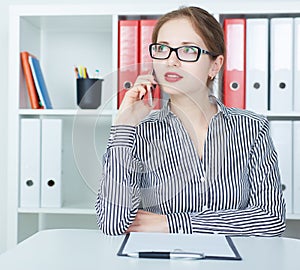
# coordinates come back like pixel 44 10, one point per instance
pixel 235 65
pixel 127 56
pixel 32 92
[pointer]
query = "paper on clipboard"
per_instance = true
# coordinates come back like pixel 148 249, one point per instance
pixel 214 246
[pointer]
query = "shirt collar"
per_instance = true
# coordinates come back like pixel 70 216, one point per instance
pixel 221 107
pixel 165 111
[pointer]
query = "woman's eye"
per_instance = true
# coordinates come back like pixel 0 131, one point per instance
pixel 189 50
pixel 162 48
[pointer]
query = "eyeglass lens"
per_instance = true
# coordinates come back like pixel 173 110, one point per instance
pixel 185 53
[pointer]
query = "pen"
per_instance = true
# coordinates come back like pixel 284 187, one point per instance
pixel 86 73
pixel 76 72
pixel 96 75
pixel 167 255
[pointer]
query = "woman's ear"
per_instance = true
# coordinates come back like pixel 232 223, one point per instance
pixel 216 66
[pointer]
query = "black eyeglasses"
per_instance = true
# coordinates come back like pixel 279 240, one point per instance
pixel 184 53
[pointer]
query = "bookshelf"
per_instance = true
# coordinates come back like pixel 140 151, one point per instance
pixel 62 36
pixel 71 112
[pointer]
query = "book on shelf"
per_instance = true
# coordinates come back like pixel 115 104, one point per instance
pixel 30 156
pixel 34 99
pixel 257 64
pixel 281 67
pixel 234 68
pixel 51 153
pixel 40 82
pixel 128 52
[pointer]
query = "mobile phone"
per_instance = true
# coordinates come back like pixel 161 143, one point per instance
pixel 150 97
pixel 153 86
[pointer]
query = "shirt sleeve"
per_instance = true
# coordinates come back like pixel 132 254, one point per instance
pixel 118 195
pixel 265 213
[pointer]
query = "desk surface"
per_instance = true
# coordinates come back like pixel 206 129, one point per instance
pixel 89 249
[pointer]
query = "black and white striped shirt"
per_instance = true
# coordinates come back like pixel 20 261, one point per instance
pixel 234 189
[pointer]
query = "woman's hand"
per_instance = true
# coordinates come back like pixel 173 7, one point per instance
pixel 149 222
pixel 133 108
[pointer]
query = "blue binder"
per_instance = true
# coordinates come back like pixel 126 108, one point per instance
pixel 40 82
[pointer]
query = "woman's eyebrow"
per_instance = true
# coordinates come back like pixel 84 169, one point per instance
pixel 163 42
pixel 182 43
pixel 189 43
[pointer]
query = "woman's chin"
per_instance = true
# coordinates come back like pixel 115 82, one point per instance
pixel 170 90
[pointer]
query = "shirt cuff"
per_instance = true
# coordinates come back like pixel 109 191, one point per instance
pixel 179 223
pixel 122 135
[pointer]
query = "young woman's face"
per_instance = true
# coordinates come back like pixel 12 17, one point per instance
pixel 176 76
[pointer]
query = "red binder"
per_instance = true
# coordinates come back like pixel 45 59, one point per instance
pixel 235 65
pixel 31 89
pixel 145 39
pixel 127 56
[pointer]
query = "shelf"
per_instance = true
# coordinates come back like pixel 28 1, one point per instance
pixel 73 23
pixel 62 112
pixel 293 216
pixel 67 209
pixel 282 115
pixel 73 112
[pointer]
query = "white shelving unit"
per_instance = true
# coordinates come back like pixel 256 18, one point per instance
pixel 62 36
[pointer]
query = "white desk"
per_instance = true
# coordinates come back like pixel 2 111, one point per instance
pixel 89 249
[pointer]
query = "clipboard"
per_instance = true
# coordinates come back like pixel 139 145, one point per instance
pixel 212 246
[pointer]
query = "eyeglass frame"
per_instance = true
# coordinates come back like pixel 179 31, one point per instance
pixel 200 51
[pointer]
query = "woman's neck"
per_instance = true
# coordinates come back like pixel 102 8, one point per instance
pixel 199 109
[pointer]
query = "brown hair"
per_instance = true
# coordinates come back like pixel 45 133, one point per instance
pixel 203 23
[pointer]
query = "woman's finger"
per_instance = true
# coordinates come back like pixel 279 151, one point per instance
pixel 145 79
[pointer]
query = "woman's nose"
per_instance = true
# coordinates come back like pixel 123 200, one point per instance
pixel 173 60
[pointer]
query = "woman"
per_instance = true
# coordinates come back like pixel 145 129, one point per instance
pixel 194 166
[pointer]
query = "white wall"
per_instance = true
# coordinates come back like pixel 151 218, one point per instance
pixel 4 13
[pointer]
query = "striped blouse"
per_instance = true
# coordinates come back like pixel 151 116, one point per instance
pixel 233 189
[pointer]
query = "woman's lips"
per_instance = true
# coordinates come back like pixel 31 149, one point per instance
pixel 172 77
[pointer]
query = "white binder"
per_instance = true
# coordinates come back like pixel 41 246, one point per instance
pixel 281 132
pixel 297 64
pixel 257 56
pixel 296 167
pixel 51 163
pixel 281 65
pixel 30 163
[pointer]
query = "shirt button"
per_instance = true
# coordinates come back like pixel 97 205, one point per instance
pixel 202 179
pixel 204 208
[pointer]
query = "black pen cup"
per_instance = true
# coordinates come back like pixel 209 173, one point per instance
pixel 88 93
